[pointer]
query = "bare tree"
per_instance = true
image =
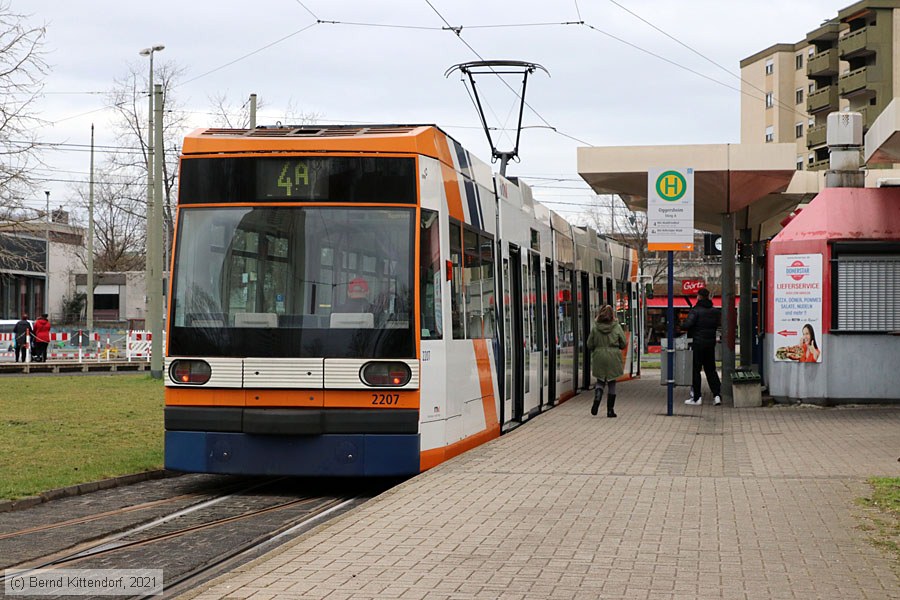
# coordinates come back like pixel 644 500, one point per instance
pixel 227 114
pixel 129 98
pixel 610 216
pixel 22 68
pixel 120 235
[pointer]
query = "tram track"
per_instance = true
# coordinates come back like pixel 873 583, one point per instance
pixel 189 580
pixel 111 513
pixel 109 522
pixel 195 543
pixel 115 543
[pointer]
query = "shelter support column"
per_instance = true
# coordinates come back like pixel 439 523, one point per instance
pixel 729 325
pixel 745 315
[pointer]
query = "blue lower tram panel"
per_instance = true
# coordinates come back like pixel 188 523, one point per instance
pixel 333 455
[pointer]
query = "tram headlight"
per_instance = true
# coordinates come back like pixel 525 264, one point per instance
pixel 190 372
pixel 385 374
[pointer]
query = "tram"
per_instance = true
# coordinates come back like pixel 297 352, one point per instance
pixel 370 301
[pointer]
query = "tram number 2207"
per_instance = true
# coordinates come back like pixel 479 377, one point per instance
pixel 385 399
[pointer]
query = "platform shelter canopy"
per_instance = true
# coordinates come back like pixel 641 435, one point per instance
pixel 728 178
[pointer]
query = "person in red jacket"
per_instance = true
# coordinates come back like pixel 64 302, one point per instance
pixel 41 339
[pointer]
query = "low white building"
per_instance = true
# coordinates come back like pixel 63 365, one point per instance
pixel 29 282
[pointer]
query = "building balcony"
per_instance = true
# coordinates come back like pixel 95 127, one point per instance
pixel 854 83
pixel 854 44
pixel 815 136
pixel 828 33
pixel 823 99
pixel 819 165
pixel 823 63
pixel 868 115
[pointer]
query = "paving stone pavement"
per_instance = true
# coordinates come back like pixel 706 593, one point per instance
pixel 714 502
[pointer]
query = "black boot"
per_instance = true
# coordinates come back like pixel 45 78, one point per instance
pixel 598 397
pixel 610 405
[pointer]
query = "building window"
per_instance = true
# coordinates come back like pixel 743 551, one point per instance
pixel 770 134
pixel 811 88
pixel 866 290
pixel 798 130
pixel 800 163
pixel 798 96
pixel 770 99
pixel 811 123
pixel 812 158
pixel 770 66
pixel 798 62
pixel 811 51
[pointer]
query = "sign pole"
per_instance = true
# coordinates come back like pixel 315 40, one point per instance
pixel 670 217
pixel 670 334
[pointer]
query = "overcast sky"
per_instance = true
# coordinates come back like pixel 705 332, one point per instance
pixel 384 62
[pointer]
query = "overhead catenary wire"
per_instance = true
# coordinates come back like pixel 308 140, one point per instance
pixel 249 54
pixel 306 8
pixel 457 30
pixel 706 58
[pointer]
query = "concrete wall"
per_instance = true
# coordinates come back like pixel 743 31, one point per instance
pixel 65 259
pixel 133 298
pixel 845 373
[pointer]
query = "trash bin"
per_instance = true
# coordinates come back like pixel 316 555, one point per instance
pixel 746 385
pixel 684 361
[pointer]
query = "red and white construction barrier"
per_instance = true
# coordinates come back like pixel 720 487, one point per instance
pixel 138 345
pixel 85 342
pixel 82 346
pixel 7 340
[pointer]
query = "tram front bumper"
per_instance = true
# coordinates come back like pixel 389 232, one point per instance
pixel 332 455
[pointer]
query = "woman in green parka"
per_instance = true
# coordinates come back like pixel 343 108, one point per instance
pixel 606 342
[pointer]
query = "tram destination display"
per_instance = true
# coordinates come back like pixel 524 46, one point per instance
pixel 298 179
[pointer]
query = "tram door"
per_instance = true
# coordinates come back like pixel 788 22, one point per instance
pixel 610 293
pixel 517 334
pixel 539 335
pixel 552 336
pixel 584 319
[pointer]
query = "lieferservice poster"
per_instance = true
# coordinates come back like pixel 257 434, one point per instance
pixel 797 309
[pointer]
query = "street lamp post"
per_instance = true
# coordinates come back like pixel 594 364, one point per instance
pixel 47 257
pixel 151 276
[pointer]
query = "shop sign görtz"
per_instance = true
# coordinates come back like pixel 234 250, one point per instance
pixel 797 309
pixel 690 287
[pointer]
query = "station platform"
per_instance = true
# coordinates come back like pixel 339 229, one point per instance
pixel 73 366
pixel 714 502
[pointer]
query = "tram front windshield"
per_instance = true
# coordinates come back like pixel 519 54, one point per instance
pixel 293 282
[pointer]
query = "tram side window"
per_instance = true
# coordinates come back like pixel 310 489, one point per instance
pixel 623 304
pixel 565 336
pixel 430 276
pixel 457 307
pixel 478 274
pixel 472 285
pixel 487 285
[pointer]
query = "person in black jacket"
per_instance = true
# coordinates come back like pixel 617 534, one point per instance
pixel 22 332
pixel 702 324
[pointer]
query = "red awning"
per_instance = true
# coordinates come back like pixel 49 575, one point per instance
pixel 681 302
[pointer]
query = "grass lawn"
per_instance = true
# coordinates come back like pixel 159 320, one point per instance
pixel 883 520
pixel 57 431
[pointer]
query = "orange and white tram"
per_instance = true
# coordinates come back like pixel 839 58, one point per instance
pixel 369 301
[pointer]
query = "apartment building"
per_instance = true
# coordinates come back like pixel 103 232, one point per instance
pixel 850 62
